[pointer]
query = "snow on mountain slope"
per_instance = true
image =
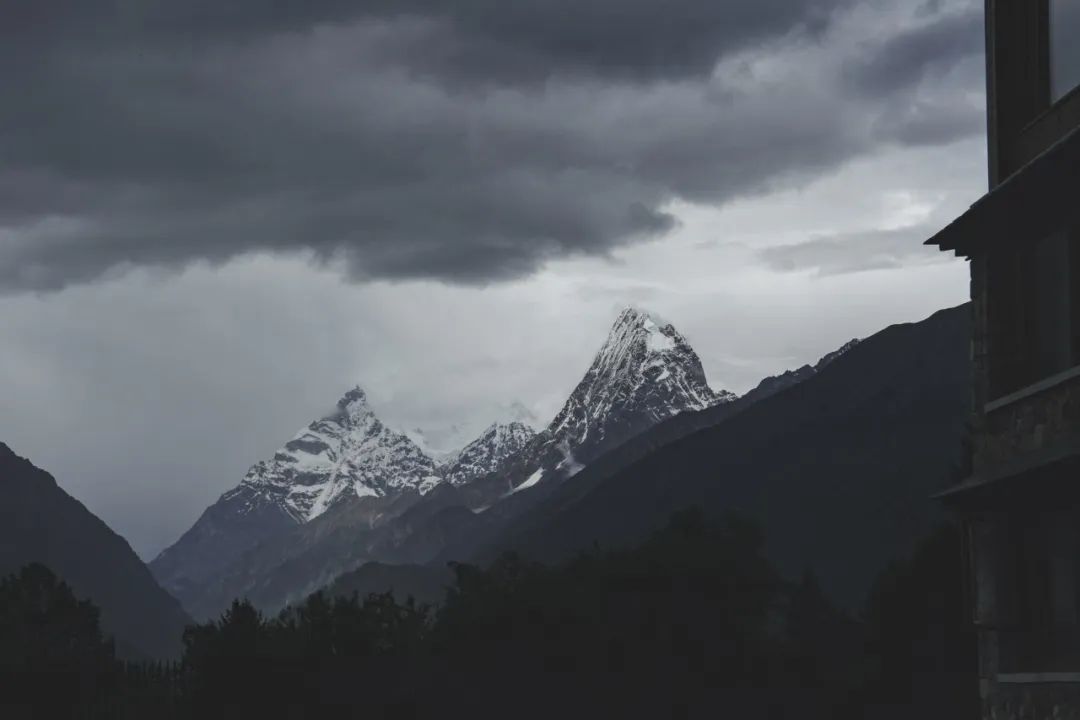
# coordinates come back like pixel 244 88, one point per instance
pixel 489 453
pixel 644 373
pixel 348 454
pixel 350 450
pixel 645 367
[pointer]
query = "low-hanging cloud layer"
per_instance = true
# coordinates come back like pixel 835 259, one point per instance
pixel 467 142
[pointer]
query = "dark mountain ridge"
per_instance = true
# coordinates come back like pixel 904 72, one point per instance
pixel 39 522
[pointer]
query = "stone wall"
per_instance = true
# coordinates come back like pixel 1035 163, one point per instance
pixel 1037 422
pixel 1028 424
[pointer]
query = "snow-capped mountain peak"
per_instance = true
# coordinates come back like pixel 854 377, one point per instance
pixel 489 453
pixel 645 372
pixel 645 362
pixel 348 452
pixel 631 327
pixel 354 402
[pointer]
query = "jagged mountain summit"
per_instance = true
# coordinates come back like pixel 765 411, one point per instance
pixel 348 451
pixel 645 373
pixel 348 454
pixel 489 453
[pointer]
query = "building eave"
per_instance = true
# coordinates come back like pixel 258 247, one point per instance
pixel 1032 203
pixel 1044 478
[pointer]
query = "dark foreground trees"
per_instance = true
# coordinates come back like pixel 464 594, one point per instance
pixel 53 659
pixel 920 649
pixel 693 623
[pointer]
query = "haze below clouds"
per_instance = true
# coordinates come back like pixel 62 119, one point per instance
pixel 248 215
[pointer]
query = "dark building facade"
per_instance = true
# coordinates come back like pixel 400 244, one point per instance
pixel 1020 504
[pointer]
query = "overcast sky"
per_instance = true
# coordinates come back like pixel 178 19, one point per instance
pixel 217 217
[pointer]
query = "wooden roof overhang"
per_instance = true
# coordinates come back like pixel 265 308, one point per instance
pixel 1040 198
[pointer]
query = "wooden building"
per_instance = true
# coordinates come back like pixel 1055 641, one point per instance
pixel 1021 502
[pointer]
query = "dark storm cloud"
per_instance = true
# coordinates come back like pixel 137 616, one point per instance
pixel 411 140
pixel 933 48
pixel 482 38
pixel 931 122
pixel 928 77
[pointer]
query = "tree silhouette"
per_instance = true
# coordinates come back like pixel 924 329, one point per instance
pixel 694 622
pixel 52 653
pixel 921 653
